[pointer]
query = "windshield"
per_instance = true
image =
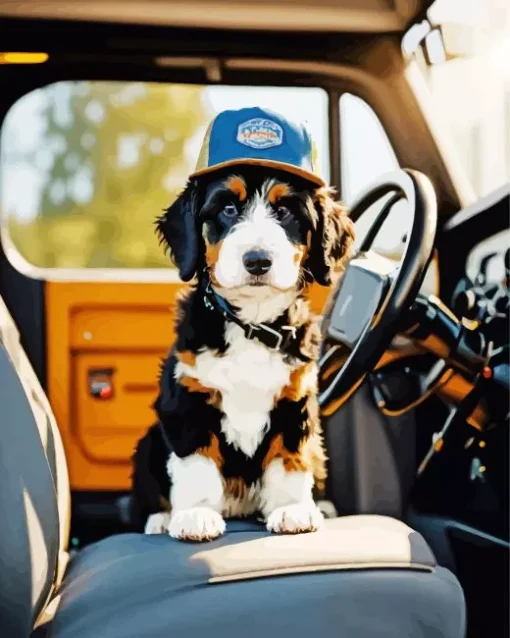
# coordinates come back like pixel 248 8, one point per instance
pixel 471 94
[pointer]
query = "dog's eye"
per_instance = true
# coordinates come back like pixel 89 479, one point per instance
pixel 229 211
pixel 283 213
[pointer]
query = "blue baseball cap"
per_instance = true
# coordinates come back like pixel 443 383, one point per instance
pixel 260 137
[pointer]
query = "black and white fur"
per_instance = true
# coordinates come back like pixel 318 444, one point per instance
pixel 238 429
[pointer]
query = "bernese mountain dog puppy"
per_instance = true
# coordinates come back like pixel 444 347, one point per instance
pixel 238 429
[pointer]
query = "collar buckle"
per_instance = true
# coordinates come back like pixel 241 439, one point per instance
pixel 291 330
pixel 272 338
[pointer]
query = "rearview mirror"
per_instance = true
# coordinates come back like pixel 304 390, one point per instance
pixel 463 41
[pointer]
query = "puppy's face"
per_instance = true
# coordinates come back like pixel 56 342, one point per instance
pixel 256 233
pixel 256 230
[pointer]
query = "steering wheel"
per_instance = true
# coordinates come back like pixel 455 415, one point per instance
pixel 375 292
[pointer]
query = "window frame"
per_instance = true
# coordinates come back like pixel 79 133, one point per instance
pixel 340 127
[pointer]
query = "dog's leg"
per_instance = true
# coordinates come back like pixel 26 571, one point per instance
pixel 288 506
pixel 150 483
pixel 196 497
pixel 157 523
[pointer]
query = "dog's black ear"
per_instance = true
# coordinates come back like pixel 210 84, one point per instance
pixel 332 239
pixel 178 229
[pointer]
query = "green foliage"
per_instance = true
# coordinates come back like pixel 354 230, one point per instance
pixel 117 159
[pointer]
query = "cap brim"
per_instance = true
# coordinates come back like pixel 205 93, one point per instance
pixel 289 168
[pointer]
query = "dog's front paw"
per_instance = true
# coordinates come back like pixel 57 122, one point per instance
pixel 196 524
pixel 295 519
pixel 158 523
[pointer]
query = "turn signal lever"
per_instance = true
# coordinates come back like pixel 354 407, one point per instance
pixel 471 351
pixel 439 331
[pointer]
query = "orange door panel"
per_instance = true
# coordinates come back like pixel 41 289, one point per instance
pixel 114 331
pixel 91 327
pixel 108 427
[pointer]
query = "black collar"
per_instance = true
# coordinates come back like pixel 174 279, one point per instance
pixel 274 338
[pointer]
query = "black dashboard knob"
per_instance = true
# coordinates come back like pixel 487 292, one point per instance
pixel 502 303
pixel 496 328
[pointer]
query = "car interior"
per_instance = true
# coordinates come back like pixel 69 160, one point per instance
pixel 101 107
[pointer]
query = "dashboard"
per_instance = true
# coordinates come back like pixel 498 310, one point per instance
pixel 469 479
pixel 474 241
pixel 487 259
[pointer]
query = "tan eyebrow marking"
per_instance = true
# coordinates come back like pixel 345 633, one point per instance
pixel 277 192
pixel 237 185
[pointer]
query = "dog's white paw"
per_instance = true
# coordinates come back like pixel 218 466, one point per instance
pixel 295 519
pixel 158 523
pixel 196 524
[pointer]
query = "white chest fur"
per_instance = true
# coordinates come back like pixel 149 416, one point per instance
pixel 249 377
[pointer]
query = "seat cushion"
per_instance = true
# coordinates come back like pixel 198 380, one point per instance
pixel 360 576
pixel 48 430
pixel 29 522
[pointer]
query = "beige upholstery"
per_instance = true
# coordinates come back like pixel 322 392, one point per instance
pixel 351 542
pixel 47 426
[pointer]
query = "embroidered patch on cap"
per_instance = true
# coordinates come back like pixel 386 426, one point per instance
pixel 260 133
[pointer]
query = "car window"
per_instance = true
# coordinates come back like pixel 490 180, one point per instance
pixel 85 167
pixel 366 154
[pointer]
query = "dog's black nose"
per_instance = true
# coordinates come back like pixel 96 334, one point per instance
pixel 257 262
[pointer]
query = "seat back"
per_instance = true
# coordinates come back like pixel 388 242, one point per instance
pixel 34 490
